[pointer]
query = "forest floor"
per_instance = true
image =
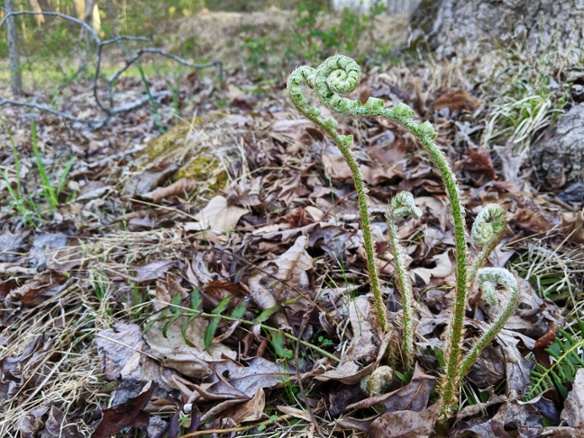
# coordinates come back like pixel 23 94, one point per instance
pixel 211 280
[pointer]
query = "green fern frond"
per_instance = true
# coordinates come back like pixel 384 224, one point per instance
pixel 567 353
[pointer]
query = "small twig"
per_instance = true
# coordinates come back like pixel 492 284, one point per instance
pixel 67 116
pixel 235 429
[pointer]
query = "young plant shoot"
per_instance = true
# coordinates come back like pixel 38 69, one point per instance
pixel 340 75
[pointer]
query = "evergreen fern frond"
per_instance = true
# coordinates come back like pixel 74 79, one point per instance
pixel 567 352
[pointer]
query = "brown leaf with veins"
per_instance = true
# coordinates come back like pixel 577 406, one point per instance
pixel 43 286
pixel 123 354
pixel 233 380
pixel 173 351
pixel 251 410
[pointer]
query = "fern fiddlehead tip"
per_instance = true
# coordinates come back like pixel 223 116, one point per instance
pixel 489 224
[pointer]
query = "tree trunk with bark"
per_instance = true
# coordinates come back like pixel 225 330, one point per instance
pixel 15 72
pixel 458 27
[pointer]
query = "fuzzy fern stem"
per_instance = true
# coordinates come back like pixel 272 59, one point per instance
pixel 403 205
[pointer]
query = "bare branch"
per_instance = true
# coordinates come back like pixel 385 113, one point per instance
pixel 81 23
pixel 112 111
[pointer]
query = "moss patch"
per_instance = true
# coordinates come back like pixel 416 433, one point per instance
pixel 197 147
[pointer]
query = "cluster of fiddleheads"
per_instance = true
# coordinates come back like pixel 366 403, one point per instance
pixel 340 75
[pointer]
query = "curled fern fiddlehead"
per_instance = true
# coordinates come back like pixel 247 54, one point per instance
pixel 403 205
pixel 487 231
pixel 488 279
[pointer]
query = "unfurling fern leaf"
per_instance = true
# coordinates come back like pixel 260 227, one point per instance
pixel 567 355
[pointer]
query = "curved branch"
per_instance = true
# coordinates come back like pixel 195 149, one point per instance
pixel 81 23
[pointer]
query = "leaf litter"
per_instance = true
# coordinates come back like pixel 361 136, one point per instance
pixel 164 298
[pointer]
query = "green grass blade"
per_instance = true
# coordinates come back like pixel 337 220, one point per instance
pixel 214 323
pixel 64 174
pixel 48 191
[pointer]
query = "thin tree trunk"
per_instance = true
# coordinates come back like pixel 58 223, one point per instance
pixel 36 7
pixel 15 72
pixel 112 17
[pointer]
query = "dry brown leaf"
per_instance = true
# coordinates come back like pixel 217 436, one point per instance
pixel 294 412
pixel 573 226
pixel 573 413
pixel 299 131
pixel 43 286
pixel 183 187
pixel 123 354
pixel 348 373
pixel 128 414
pixel 480 165
pixel 251 410
pixel 366 331
pixel 23 367
pixel 66 258
pixel 218 215
pixel 231 379
pixel 442 269
pixel 334 164
pixel 150 178
pixel 414 396
pixel 173 351
pixel 279 279
pixel 12 244
pixel 152 271
pixel 47 422
pixel 404 424
pixel 457 100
